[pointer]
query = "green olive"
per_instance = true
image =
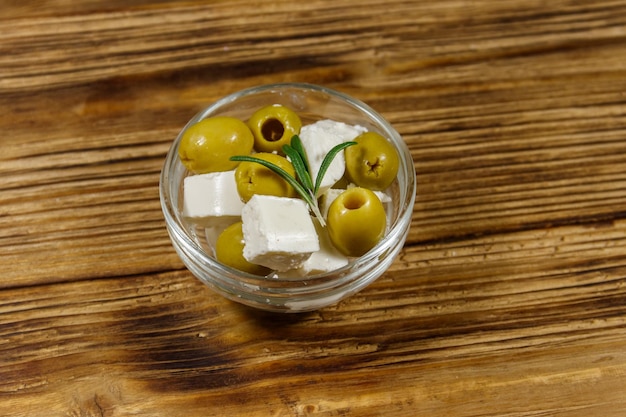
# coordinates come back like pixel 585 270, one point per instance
pixel 206 146
pixel 356 221
pixel 273 127
pixel 373 162
pixel 254 178
pixel 229 251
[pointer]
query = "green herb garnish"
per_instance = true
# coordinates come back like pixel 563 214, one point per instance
pixel 303 182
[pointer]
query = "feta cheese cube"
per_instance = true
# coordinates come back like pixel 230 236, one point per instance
pixel 327 199
pixel 327 259
pixel 211 199
pixel 319 138
pixel 278 232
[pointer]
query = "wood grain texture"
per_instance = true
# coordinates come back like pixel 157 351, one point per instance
pixel 509 298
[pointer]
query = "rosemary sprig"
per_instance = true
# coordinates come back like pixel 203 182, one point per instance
pixel 303 182
pixel 300 162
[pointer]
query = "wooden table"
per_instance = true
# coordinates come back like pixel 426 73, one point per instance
pixel 509 298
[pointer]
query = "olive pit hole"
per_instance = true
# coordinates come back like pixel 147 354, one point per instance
pixel 354 201
pixel 272 130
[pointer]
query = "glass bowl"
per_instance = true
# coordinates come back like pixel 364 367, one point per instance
pixel 300 294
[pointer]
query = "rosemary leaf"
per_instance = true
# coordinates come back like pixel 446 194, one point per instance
pixel 296 143
pixel 299 165
pixel 328 159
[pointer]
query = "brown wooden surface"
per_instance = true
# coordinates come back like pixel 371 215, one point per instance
pixel 509 298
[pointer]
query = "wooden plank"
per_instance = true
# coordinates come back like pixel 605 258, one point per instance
pixel 508 299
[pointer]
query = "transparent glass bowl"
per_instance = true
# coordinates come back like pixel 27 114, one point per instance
pixel 312 103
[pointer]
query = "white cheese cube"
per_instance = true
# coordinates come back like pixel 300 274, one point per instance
pixel 327 199
pixel 319 138
pixel 278 232
pixel 327 259
pixel 211 199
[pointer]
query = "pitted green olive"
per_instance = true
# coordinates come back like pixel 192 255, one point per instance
pixel 254 178
pixel 356 221
pixel 206 146
pixel 373 162
pixel 229 251
pixel 273 127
